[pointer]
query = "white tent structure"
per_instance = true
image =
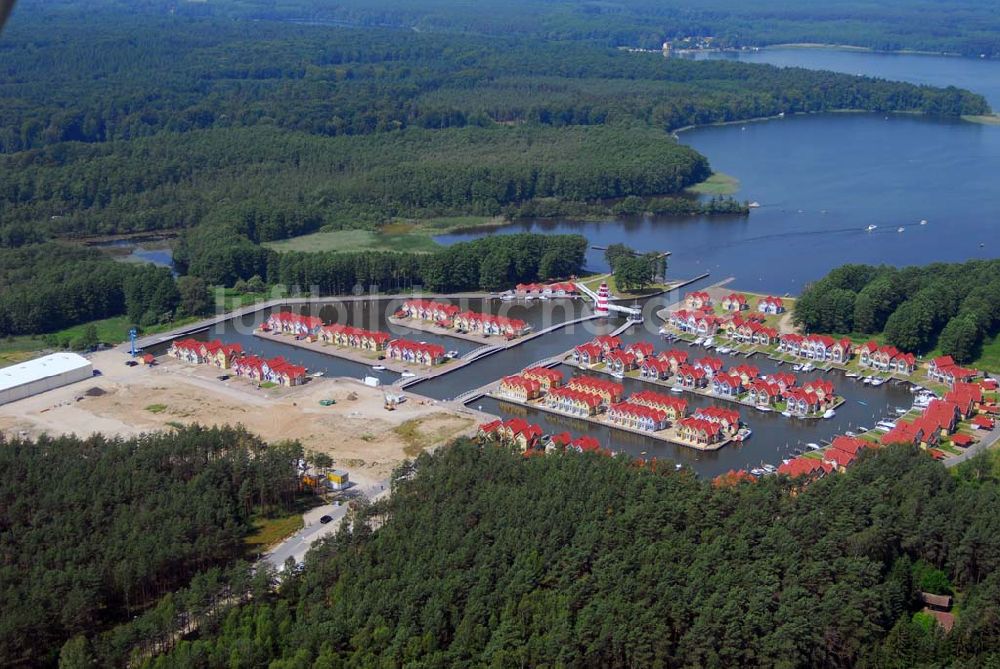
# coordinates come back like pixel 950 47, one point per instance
pixel 42 374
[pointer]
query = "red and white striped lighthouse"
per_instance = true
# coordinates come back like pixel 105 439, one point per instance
pixel 602 300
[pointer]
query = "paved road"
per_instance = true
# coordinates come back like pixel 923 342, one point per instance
pixel 297 545
pixel 988 439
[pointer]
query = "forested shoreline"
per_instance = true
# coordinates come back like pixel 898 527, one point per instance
pixel 237 132
pixel 489 558
pixel 953 307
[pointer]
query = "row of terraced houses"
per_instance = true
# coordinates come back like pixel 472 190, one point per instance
pixel 648 411
pixel 450 316
pixel 699 318
pixel 739 383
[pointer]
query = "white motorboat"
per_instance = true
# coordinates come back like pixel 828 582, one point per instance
pixel 407 374
pixel 676 389
pixel 797 368
pixel 900 229
pixel 878 381
pixel 870 228
pixel 763 408
pixel 744 434
pixel 852 375
pixel 867 381
pixel 808 367
pixel 316 375
pixel 923 221
pixel 754 205
pixel 829 413
pixel 452 354
pixel 786 414
pixel 378 368
pixel 813 446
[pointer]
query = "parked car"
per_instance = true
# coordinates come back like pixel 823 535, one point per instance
pixel 223 377
pixel 131 363
pixel 325 519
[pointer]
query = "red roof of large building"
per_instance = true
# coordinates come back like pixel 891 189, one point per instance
pixel 434 350
pixel 718 415
pixel 602 385
pixel 802 466
pixel 590 399
pixel 553 375
pixel 659 399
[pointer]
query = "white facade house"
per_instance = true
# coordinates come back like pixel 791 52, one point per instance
pixel 41 374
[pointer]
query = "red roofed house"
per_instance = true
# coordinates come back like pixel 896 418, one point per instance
pixel 520 388
pixel 886 358
pixel 822 347
pixel 429 310
pixel 822 388
pixel 727 385
pixel 411 351
pixel 519 432
pixel 839 458
pixel 675 358
pixel 945 370
pixel 608 343
pixel 584 444
pixel 188 350
pixel 698 299
pixel 620 361
pixel 573 402
pixel 641 350
pixel 790 343
pixel 727 419
pixel 637 417
pixel 547 377
pixel 558 442
pixel 808 467
pixel 800 402
pixel 284 373
pixel 735 302
pixel 711 365
pixel 746 372
pixel 219 354
pixel 291 323
pixel 966 396
pixel 692 377
pixel 904 433
pixel 962 440
pixel 674 407
pixel 983 422
pixel 771 305
pixel 785 380
pixel 590 353
pixel 764 393
pixel 609 391
pixel 490 431
pixel 699 431
pixel 654 368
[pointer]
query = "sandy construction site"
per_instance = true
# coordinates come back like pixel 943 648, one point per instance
pixel 357 431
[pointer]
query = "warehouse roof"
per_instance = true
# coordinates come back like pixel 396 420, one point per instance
pixel 40 368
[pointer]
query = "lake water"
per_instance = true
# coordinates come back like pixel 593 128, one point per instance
pixel 976 75
pixel 821 181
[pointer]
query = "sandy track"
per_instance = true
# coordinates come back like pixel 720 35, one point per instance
pixel 357 431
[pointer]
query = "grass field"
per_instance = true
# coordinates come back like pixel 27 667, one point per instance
pixel 399 235
pixel 269 531
pixel 112 330
pixel 717 184
pixel 989 360
pixel 594 283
